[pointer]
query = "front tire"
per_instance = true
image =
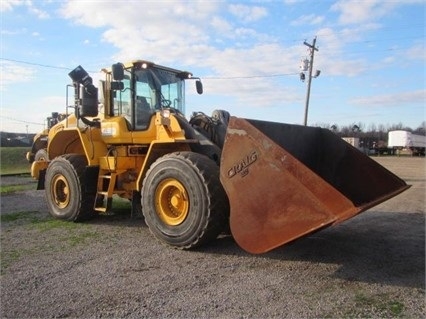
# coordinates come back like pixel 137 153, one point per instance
pixel 65 190
pixel 183 201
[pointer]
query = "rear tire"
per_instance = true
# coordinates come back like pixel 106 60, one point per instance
pixel 183 201
pixel 65 190
pixel 41 155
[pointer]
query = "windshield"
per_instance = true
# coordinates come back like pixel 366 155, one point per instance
pixel 146 91
pixel 160 88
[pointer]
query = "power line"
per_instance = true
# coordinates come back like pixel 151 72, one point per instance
pixel 389 39
pixel 36 64
pixel 21 121
pixel 418 35
pixel 41 65
pixel 383 29
pixel 253 76
pixel 248 76
pixel 210 78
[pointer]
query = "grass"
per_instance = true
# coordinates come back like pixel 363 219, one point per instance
pixel 55 235
pixel 45 225
pixel 11 217
pixel 8 189
pixel 13 160
pixel 61 236
pixel 381 303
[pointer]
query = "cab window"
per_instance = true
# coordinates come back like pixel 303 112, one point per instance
pixel 122 99
pixel 144 103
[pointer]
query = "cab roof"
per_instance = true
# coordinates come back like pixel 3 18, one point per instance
pixel 148 64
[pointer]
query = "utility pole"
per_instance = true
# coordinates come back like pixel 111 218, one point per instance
pixel 311 64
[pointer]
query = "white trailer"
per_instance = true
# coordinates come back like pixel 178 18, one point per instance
pixel 404 140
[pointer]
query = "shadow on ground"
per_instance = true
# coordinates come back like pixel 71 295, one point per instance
pixel 377 247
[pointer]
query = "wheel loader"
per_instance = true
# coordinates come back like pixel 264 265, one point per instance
pixel 268 183
pixel 39 145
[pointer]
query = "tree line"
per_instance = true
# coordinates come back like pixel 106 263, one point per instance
pixel 369 135
pixel 372 135
pixel 8 139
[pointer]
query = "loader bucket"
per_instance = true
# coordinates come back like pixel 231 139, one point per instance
pixel 285 181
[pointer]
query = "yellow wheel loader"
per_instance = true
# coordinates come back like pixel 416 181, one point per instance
pixel 270 183
pixel 39 145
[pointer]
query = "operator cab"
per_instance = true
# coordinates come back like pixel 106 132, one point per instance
pixel 141 88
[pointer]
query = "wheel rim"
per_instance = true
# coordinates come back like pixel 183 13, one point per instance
pixel 171 201
pixel 60 191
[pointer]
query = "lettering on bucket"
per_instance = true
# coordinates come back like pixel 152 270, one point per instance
pixel 242 166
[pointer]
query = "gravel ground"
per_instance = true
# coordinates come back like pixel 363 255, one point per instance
pixel 111 267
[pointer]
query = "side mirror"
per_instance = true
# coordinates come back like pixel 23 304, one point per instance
pixel 199 86
pixel 118 71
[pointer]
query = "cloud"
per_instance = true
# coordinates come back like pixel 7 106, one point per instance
pixel 310 19
pixel 355 11
pixel 252 61
pixel 205 37
pixel 292 2
pixel 38 12
pixel 13 73
pixel 175 34
pixel 395 99
pixel 200 37
pixel 139 13
pixel 333 58
pixel 416 53
pixel 335 40
pixel 15 116
pixel 8 5
pixel 402 58
pixel 162 33
pixel 247 13
pixel 220 24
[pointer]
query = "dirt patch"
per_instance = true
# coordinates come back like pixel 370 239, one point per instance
pixel 370 266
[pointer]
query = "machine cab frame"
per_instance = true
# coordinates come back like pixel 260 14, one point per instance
pixel 145 88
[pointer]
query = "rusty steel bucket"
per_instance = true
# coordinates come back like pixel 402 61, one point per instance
pixel 285 181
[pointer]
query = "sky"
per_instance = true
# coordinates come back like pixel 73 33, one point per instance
pixel 371 56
